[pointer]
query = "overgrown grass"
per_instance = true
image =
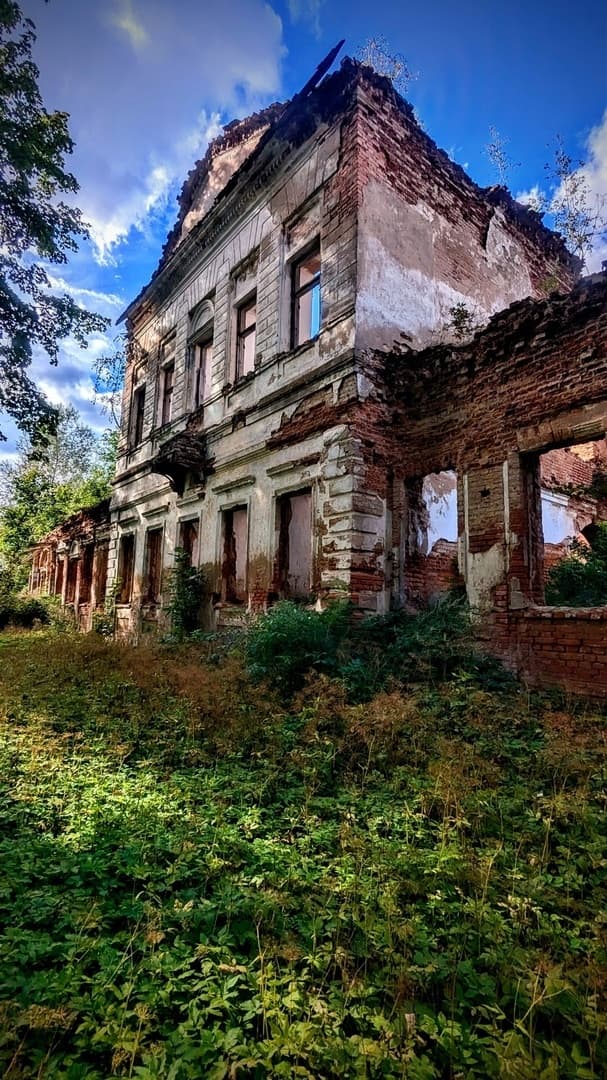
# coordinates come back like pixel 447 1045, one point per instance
pixel 200 880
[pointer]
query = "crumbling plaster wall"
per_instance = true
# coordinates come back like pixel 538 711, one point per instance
pixel 429 238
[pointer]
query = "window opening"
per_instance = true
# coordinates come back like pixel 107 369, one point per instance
pixel 188 538
pixel 306 298
pixel 245 337
pixel 234 568
pixel 72 575
pixel 431 534
pixel 153 566
pixel 570 539
pixel 294 514
pixel 138 415
pixel 203 364
pixel 86 574
pixel 126 567
pixel 168 379
pixel 101 561
pixel 59 578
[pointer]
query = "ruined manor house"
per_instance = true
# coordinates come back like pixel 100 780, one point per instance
pixel 354 373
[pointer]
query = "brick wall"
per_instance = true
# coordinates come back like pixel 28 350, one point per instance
pixel 553 646
pixel 536 377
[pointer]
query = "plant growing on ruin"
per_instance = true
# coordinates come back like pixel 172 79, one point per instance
pixel 499 157
pixel 186 591
pixel 376 53
pixel 578 214
pixel 104 622
pixel 580 579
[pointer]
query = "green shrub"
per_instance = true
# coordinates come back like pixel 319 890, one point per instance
pixel 369 655
pixel 580 580
pixel 186 592
pixel 410 647
pixel 23 611
pixel 291 640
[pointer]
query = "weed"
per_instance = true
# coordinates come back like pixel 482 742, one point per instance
pixel 200 880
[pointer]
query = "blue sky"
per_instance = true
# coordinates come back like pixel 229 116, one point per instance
pixel 148 82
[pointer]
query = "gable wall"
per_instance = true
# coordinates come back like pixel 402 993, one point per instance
pixel 429 238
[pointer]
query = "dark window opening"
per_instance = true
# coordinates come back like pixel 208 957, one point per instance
pixel 101 561
pixel 126 567
pixel 59 578
pixel 86 574
pixel 305 319
pixel 72 576
pixel 234 567
pixel 188 538
pixel 294 527
pixel 138 415
pixel 153 566
pixel 168 379
pixel 245 337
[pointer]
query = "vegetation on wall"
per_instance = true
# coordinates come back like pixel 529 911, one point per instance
pixel 186 590
pixel 580 579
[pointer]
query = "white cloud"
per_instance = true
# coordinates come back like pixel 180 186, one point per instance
pixel 125 19
pixel 109 226
pixel 104 303
pixel 307 11
pixel 144 84
pixel 534 198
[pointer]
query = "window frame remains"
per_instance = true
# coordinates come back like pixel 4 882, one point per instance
pixel 126 567
pixel 244 333
pixel 300 291
pixel 152 587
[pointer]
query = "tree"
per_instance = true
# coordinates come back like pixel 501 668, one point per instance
pixel 52 478
pixel 109 377
pixel 570 205
pixel 34 225
pixel 577 214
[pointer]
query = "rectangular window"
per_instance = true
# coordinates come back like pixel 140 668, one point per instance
pixel 234 569
pixel 168 379
pixel 86 574
pixel 245 337
pixel 138 415
pixel 101 561
pixel 294 525
pixel 59 578
pixel 203 361
pixel 306 298
pixel 188 539
pixel 153 566
pixel 567 522
pixel 72 574
pixel 126 567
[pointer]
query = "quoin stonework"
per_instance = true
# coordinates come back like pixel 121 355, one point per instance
pixel 356 373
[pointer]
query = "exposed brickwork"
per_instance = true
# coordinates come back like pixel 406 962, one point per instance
pixel 554 646
pixel 536 377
